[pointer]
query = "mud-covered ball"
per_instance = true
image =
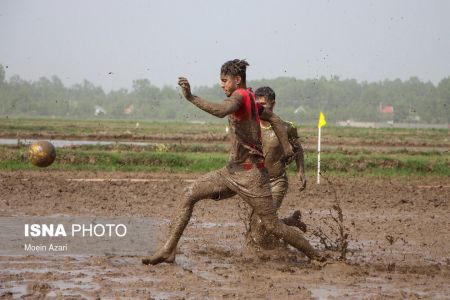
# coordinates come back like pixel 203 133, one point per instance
pixel 41 154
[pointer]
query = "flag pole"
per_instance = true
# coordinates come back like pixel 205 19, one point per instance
pixel 320 124
pixel 318 157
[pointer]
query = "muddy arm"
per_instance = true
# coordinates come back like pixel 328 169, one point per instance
pixel 221 110
pixel 299 156
pixel 227 107
pixel 280 131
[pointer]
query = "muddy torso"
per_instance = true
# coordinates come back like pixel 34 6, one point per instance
pixel 273 152
pixel 245 132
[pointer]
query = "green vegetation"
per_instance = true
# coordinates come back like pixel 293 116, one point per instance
pixel 374 136
pixel 201 148
pixel 298 100
pixel 188 132
pixel 436 164
pixel 91 158
pixel 23 127
pixel 163 158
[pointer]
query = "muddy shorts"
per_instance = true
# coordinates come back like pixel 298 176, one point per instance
pixel 279 186
pixel 252 186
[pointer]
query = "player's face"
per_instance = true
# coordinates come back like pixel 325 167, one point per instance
pixel 229 83
pixel 265 103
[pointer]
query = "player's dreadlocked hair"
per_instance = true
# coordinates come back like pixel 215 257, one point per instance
pixel 265 92
pixel 235 67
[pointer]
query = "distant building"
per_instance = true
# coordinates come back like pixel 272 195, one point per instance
pixel 387 109
pixel 99 110
pixel 386 113
pixel 129 109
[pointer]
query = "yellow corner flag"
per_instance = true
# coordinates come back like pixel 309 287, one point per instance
pixel 322 121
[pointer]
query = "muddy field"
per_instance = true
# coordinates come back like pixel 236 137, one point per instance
pixel 310 140
pixel 182 133
pixel 399 241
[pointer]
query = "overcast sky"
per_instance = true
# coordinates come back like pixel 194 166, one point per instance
pixel 160 40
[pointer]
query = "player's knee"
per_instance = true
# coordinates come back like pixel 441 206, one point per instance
pixel 190 196
pixel 189 201
pixel 269 224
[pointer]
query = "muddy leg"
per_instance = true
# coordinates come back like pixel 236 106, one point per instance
pixel 184 215
pixel 207 187
pixel 289 235
pixel 279 189
pixel 267 213
pixel 259 236
pixel 257 233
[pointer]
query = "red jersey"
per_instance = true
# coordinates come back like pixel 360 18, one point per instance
pixel 245 130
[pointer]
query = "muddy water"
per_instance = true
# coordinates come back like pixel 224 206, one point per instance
pixel 399 241
pixel 68 143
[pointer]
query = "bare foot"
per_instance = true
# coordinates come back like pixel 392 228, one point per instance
pixel 160 257
pixel 296 220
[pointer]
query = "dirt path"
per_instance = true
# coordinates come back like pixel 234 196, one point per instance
pixel 399 241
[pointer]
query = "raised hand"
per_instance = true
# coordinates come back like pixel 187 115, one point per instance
pixel 185 87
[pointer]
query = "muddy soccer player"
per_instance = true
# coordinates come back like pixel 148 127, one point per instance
pixel 273 155
pixel 245 174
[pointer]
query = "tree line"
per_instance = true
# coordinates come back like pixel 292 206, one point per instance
pixel 297 100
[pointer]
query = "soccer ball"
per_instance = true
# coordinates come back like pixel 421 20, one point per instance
pixel 42 154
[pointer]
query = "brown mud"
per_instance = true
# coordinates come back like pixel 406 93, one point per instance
pixel 398 241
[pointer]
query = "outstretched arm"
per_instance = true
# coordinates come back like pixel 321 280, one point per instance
pixel 299 156
pixel 227 107
pixel 280 131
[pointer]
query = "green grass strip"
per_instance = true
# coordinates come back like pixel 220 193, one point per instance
pixel 435 163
